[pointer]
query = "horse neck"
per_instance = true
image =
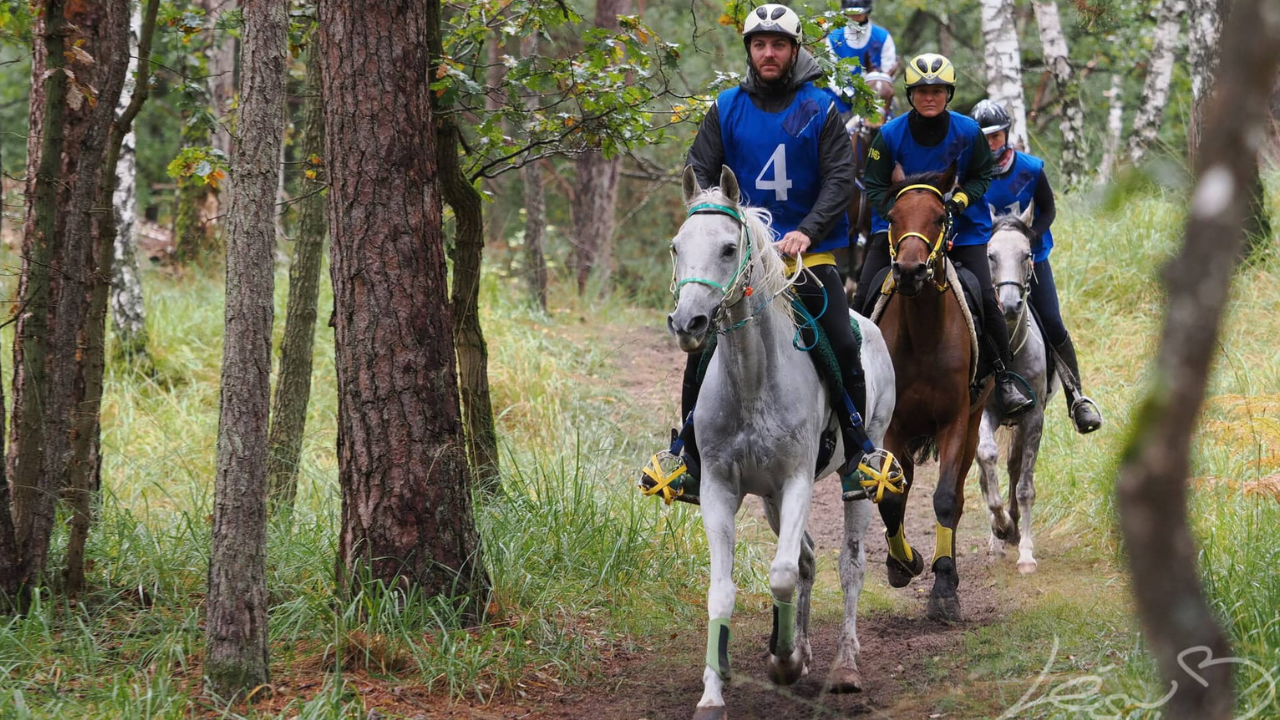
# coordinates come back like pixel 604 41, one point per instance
pixel 753 353
pixel 922 319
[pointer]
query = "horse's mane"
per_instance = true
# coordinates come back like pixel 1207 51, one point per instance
pixel 933 179
pixel 1010 222
pixel 769 273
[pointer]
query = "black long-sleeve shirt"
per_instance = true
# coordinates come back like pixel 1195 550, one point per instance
pixel 1046 208
pixel 927 132
pixel 835 152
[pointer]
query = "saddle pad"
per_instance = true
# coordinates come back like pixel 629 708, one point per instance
pixel 887 289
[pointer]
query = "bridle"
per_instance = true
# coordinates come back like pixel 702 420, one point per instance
pixel 1024 290
pixel 937 246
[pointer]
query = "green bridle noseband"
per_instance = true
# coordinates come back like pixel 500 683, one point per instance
pixel 744 253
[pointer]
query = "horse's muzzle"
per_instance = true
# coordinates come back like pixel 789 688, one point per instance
pixel 910 279
pixel 690 332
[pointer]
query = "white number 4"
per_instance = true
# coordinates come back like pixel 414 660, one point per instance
pixel 779 184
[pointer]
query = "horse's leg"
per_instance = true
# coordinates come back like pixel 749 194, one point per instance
pixel 719 504
pixel 1015 465
pixel 903 562
pixel 957 444
pixel 853 563
pixel 1033 427
pixel 808 571
pixel 786 656
pixel 988 455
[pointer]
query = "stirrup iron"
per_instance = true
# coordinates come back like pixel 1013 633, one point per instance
pixel 668 475
pixel 878 472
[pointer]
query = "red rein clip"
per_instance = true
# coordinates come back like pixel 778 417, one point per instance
pixel 748 291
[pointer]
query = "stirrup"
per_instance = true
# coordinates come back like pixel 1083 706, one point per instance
pixel 1082 400
pixel 1013 377
pixel 879 471
pixel 668 475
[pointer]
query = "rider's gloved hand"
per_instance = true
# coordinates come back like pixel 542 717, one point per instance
pixel 956 206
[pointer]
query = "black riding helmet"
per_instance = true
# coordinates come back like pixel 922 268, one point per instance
pixel 991 117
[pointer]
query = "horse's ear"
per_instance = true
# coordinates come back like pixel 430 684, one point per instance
pixel 948 180
pixel 689 183
pixel 729 184
pixel 898 174
pixel 1028 215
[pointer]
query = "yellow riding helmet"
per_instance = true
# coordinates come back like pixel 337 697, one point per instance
pixel 931 69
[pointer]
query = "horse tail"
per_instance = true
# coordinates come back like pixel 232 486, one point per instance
pixel 922 449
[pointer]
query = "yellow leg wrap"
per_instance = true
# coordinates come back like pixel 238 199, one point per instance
pixel 898 548
pixel 942 547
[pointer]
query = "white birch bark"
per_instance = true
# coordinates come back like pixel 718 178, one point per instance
pixel 1071 124
pixel 1115 124
pixel 1205 20
pixel 1004 65
pixel 1155 93
pixel 128 313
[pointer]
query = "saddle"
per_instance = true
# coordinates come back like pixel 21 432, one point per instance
pixel 971 308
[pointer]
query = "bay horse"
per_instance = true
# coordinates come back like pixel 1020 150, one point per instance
pixel 1009 253
pixel 929 341
pixel 760 416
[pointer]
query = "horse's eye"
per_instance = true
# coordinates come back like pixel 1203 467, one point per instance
pixel 673 249
pixel 991 256
pixel 1026 257
pixel 728 251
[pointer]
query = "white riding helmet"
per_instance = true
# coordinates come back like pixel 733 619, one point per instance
pixel 772 18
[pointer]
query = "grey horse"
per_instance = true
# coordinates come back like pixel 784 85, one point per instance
pixel 1009 253
pixel 760 415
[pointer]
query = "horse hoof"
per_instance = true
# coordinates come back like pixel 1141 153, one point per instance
pixel 844 680
pixel 1027 567
pixel 784 674
pixel 945 609
pixel 711 713
pixel 900 573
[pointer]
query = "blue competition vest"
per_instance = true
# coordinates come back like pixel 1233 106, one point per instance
pixel 1015 191
pixel 775 157
pixel 974 226
pixel 868 56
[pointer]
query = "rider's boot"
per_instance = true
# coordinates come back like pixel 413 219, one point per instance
pixel 855 384
pixel 1084 412
pixel 681 465
pixel 1012 399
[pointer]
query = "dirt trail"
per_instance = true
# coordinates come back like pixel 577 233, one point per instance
pixel 902 652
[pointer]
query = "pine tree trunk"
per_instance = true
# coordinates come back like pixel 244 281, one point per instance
pixel 1115 125
pixel 535 206
pixel 1152 485
pixel 406 488
pixel 128 313
pixel 1075 151
pixel 293 386
pixel 70 159
pixel 84 478
pixel 195 230
pixel 236 658
pixel 1004 65
pixel 596 190
pixel 1155 93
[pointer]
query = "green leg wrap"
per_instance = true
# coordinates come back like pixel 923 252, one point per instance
pixel 898 548
pixel 718 647
pixel 783 639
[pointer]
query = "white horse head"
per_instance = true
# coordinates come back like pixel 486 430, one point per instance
pixel 1009 254
pixel 722 254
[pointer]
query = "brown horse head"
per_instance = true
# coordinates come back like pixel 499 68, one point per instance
pixel 917 228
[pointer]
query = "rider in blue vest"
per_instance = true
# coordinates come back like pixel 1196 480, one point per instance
pixel 785 142
pixel 1019 183
pixel 931 139
pixel 871 44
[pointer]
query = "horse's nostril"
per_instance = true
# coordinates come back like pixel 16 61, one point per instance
pixel 698 324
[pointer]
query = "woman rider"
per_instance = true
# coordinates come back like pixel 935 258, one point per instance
pixel 1019 183
pixel 785 142
pixel 930 139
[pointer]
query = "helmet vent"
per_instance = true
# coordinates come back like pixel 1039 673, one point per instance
pixel 777 13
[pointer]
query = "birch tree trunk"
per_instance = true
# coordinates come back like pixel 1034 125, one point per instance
pixel 1155 93
pixel 1075 152
pixel 128 313
pixel 596 189
pixel 1152 485
pixel 1115 125
pixel 402 466
pixel 1202 50
pixel 1004 65
pixel 293 386
pixel 236 658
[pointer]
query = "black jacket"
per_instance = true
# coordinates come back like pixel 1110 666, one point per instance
pixel 835 151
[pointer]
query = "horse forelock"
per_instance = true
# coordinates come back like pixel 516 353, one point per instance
pixel 1010 222
pixel 934 180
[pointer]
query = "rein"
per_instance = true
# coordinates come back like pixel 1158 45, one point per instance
pixel 1024 290
pixel 935 246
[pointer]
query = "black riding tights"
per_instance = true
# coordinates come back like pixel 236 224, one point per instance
pixel 834 321
pixel 973 257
